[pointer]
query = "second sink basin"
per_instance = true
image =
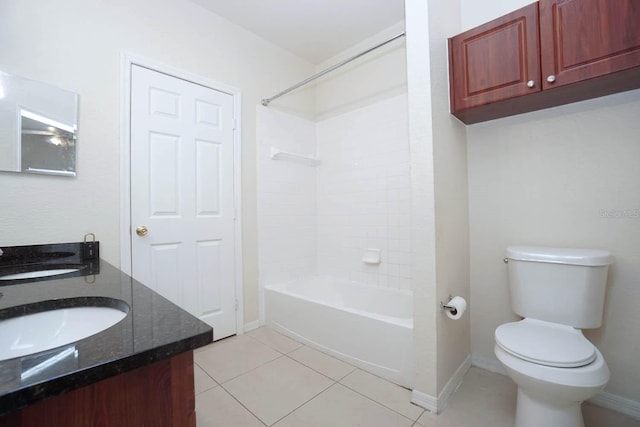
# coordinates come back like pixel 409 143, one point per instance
pixel 33 333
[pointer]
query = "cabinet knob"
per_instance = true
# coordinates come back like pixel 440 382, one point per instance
pixel 531 83
pixel 551 78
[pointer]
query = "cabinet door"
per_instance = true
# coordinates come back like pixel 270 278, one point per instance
pixel 495 61
pixel 583 39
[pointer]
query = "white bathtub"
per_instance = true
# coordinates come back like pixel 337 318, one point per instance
pixel 371 328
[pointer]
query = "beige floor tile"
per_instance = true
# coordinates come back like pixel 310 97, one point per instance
pixel 384 392
pixel 486 399
pixel 484 389
pixel 323 363
pixel 483 399
pixel 216 408
pixel 277 388
pixel 340 407
pixel 274 340
pixel 202 381
pixel 234 356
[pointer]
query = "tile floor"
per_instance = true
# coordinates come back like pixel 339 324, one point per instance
pixel 263 378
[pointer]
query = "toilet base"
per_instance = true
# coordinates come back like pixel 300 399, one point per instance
pixel 536 411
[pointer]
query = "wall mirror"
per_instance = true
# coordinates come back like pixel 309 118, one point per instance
pixel 38 127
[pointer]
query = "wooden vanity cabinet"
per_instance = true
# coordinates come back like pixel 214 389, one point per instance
pixel 157 395
pixel 548 53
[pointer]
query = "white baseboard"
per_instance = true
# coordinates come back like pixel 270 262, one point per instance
pixel 490 364
pixel 248 327
pixel 424 400
pixel 604 398
pixel 617 403
pixel 437 404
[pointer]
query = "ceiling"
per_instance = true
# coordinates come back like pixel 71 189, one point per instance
pixel 315 30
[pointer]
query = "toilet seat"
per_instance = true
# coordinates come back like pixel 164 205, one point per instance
pixel 545 343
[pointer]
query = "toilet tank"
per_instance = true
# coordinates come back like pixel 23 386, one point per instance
pixel 558 285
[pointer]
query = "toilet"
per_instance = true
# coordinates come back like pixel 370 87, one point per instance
pixel 558 292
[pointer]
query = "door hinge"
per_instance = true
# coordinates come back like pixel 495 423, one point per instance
pixel 236 305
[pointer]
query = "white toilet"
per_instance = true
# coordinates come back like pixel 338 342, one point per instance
pixel 558 292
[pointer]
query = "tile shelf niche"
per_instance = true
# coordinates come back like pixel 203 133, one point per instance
pixel 277 154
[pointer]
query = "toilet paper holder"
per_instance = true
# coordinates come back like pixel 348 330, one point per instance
pixel 448 308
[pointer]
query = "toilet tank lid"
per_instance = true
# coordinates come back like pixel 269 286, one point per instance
pixel 574 256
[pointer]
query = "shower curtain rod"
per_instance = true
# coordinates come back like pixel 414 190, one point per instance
pixel 266 101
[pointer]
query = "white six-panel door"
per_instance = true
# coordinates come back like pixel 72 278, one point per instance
pixel 182 179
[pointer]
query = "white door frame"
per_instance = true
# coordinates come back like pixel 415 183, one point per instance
pixel 127 60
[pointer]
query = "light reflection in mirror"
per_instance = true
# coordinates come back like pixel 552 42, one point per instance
pixel 38 127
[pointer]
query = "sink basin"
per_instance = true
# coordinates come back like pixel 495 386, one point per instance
pixel 33 333
pixel 38 273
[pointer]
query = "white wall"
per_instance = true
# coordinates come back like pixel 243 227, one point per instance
pixel 476 12
pixel 364 194
pixel 566 176
pixel 378 75
pixel 76 44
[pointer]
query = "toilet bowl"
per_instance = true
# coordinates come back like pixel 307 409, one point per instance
pixel 558 292
pixel 550 396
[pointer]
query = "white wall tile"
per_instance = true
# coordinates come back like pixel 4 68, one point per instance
pixel 358 198
pixel 287 203
pixel 364 179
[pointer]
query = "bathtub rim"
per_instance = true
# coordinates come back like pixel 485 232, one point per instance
pixel 405 322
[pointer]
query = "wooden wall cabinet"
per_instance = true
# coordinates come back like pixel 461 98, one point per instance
pixel 548 53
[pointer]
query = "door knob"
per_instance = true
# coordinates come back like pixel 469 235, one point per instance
pixel 551 78
pixel 531 83
pixel 142 231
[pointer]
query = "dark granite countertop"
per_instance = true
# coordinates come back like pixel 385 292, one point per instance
pixel 153 329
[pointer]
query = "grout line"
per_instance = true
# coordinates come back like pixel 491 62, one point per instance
pixel 241 404
pixel 272 347
pixel 215 383
pixel 323 374
pixel 309 367
pixel 380 403
pixel 334 382
pixel 304 403
pixel 252 369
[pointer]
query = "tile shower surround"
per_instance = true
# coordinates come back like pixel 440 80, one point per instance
pixel 321 220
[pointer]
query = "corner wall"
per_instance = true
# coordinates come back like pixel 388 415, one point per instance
pixel 439 205
pixel 451 202
pixel 423 268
